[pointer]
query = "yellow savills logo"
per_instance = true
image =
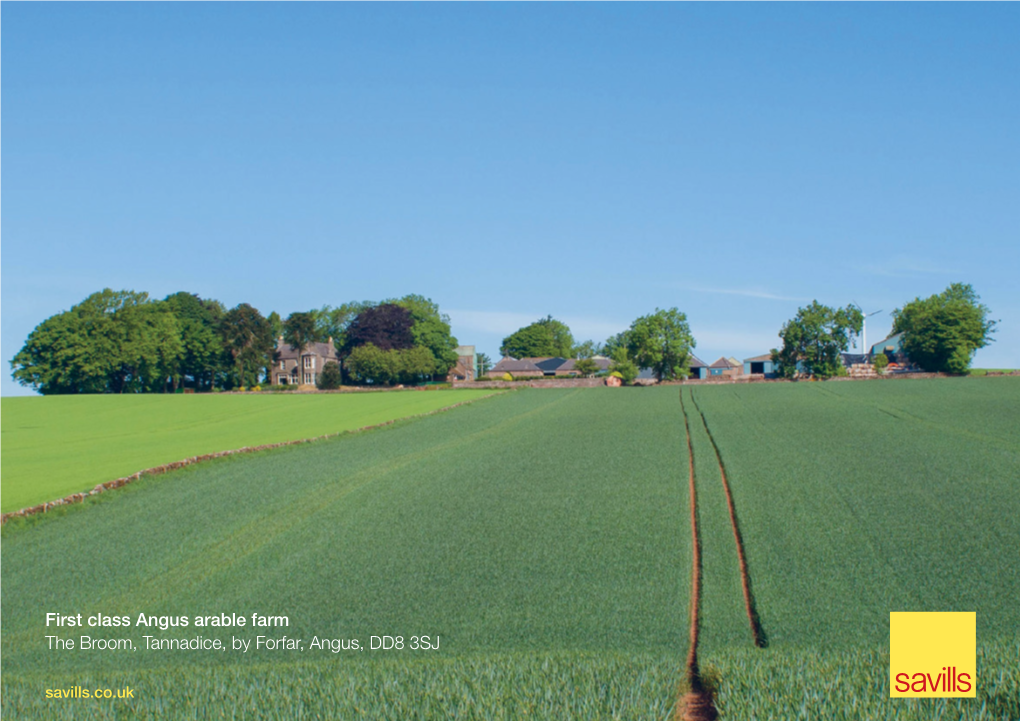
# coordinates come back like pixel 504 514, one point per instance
pixel 932 655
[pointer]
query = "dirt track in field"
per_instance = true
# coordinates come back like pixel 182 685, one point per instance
pixel 697 704
pixel 757 632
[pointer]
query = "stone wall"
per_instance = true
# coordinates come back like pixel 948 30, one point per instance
pixel 545 383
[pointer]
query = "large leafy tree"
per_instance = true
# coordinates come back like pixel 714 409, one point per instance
pixel 111 342
pixel 248 338
pixel 624 365
pixel 620 340
pixel 146 339
pixel 814 338
pixel 416 364
pixel 942 332
pixel 387 326
pixel 369 364
pixel 330 378
pixel 662 341
pixel 587 349
pixel 546 337
pixel 333 322
pixel 75 351
pixel 276 328
pixel 586 367
pixel 431 330
pixel 152 348
pixel 562 337
pixel 202 354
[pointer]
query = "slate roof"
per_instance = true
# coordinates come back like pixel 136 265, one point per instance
pixel 547 365
pixel 601 362
pixel 759 358
pixel 543 365
pixel 323 350
pixel 697 362
pixel 893 340
pixel 725 363
pixel 512 365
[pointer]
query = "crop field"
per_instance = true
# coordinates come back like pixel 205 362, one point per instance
pixel 856 499
pixel 57 445
pixel 544 536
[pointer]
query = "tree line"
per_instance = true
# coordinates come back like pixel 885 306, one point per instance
pixel 126 342
pixel 941 333
pixel 660 341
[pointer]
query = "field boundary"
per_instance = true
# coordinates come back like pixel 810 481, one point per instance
pixel 757 631
pixel 175 465
pixel 547 383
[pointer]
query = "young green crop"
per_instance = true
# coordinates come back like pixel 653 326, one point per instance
pixel 787 685
pixel 543 536
pixel 532 521
pixel 58 445
pixel 858 499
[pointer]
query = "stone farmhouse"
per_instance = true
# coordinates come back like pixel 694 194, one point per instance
pixel 288 369
pixel 464 370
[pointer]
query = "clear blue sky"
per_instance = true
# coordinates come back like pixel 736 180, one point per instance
pixel 592 162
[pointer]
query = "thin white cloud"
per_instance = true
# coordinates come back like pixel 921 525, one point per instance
pixel 903 266
pixel 746 292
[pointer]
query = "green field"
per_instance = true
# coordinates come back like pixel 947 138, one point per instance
pixel 543 536
pixel 857 499
pixel 58 445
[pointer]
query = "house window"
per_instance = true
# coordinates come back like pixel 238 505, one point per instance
pixel 283 365
pixel 309 361
pixel 309 379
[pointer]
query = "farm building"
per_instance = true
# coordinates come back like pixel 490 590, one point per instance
pixel 464 370
pixel 550 367
pixel 760 365
pixel 891 346
pixel 515 367
pixel 699 369
pixel 288 369
pixel 567 369
pixel 725 367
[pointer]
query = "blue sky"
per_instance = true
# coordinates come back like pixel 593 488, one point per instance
pixel 592 162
